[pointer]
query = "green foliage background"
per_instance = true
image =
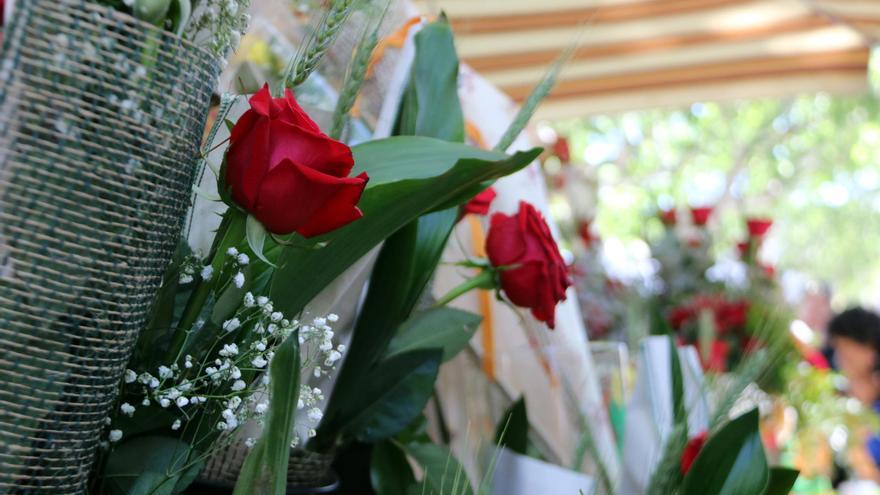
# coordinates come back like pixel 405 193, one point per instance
pixel 810 162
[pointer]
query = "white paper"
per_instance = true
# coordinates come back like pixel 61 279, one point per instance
pixel 517 474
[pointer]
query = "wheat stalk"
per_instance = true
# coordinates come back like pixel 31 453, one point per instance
pixel 331 24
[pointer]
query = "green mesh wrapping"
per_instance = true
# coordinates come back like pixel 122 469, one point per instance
pixel 101 117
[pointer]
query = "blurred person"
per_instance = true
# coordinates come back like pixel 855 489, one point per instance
pixel 855 336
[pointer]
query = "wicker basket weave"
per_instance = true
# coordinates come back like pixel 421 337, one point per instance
pixel 101 117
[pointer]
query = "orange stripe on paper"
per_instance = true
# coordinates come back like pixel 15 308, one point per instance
pixel 484 297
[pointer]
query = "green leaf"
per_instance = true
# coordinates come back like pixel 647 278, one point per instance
pixel 149 465
pixel 448 329
pixel 387 208
pixel 512 431
pixel 678 406
pixel 265 468
pixel 412 157
pixel 781 481
pixel 390 472
pixel 430 103
pixel 443 473
pixel 392 395
pixel 256 237
pixel 732 462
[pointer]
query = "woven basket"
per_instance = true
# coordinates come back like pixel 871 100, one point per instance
pixel 305 469
pixel 101 118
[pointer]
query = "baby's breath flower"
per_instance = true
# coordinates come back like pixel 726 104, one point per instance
pixel 249 300
pixel 175 425
pixel 315 414
pixel 115 435
pixel 165 372
pixel 249 442
pixel 232 252
pixel 259 362
pixel 243 259
pixel 276 316
pixel 238 280
pixel 182 402
pixel 333 317
pixel 145 402
pixel 238 385
pixel 230 325
pixel 207 272
pixel 127 409
pixel 261 408
pixel 221 425
pixel 130 376
pixel 262 301
pixel 164 402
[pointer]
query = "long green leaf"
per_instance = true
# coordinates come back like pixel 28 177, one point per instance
pixel 148 465
pixel 390 472
pixel 732 462
pixel 512 431
pixel 444 328
pixel 265 469
pixel 781 481
pixel 387 208
pixel 392 395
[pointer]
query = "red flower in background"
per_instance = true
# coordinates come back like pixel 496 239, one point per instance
pixel 585 233
pixel 678 316
pixel 535 276
pixel 758 226
pixel 481 202
pixel 561 150
pixel 742 248
pixel 692 450
pixel 730 315
pixel 285 172
pixel 718 355
pixel 701 216
pixel 668 217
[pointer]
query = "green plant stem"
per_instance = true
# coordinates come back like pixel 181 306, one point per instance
pixel 203 288
pixel 484 280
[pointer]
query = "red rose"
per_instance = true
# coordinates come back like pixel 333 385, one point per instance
pixel 701 215
pixel 288 174
pixel 537 276
pixel 718 354
pixel 678 316
pixel 692 450
pixel 758 226
pixel 481 202
pixel 585 233
pixel 561 150
pixel 668 217
pixel 743 249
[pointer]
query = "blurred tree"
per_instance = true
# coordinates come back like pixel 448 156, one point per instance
pixel 811 163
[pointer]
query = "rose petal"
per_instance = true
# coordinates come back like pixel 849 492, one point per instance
pixel 291 195
pixel 295 115
pixel 504 243
pixel 247 160
pixel 261 101
pixel 310 149
pixel 338 211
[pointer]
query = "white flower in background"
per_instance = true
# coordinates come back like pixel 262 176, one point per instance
pixel 145 402
pixel 187 362
pixel 222 426
pixel 207 272
pixel 232 252
pixel 261 408
pixel 312 432
pixel 127 409
pixel 182 402
pixel 229 350
pixel 235 373
pixel 243 259
pixel 315 414
pixel 165 372
pixel 164 403
pixel 238 280
pixel 154 383
pixel 238 385
pixel 276 316
pixel 332 317
pixel 259 362
pixel 175 425
pixel 130 376
pixel 262 301
pixel 249 442
pixel 115 435
pixel 249 300
pixel 230 325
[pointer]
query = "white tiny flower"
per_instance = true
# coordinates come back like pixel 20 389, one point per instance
pixel 130 376
pixel 294 442
pixel 265 379
pixel 154 383
pixel 312 432
pixel 276 316
pixel 235 373
pixel 262 301
pixel 230 325
pixel 221 425
pixel 261 408
pixel 249 442
pixel 232 423
pixel 182 402
pixel 232 252
pixel 229 350
pixel 107 421
pixel 326 345
pixel 127 409
pixel 332 357
pixel 259 329
pixel 315 414
pixel 175 425
pixel 235 402
pixel 300 403
pixel 319 321
pixel 145 402
pixel 249 300
pixel 238 280
pixel 173 393
pixel 272 328
pixel 260 346
pixel 207 272
pixel 317 372
pixel 187 362
pixel 238 385
pixel 165 372
pixel 340 348
pixel 259 362
pixel 243 259
pixel 115 435
pixel 164 403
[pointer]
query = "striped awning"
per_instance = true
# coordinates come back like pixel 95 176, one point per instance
pixel 649 53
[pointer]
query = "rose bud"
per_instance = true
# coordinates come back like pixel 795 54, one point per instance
pixel 692 450
pixel 289 175
pixel 758 226
pixel 481 202
pixel 701 216
pixel 533 274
